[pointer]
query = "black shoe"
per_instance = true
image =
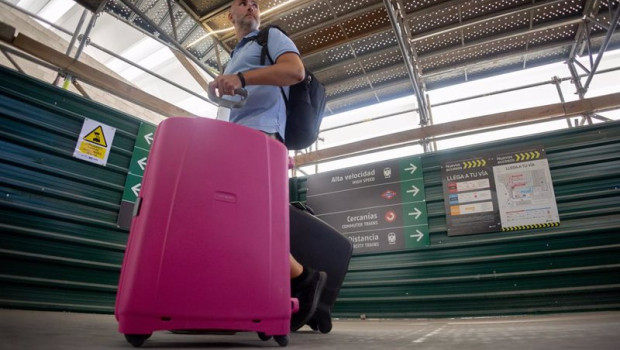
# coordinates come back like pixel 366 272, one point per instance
pixel 322 319
pixel 308 295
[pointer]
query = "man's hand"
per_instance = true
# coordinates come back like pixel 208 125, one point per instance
pixel 225 84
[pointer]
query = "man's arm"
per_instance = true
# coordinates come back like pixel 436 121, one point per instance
pixel 288 70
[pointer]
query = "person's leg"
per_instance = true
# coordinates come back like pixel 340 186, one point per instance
pixel 296 267
pixel 306 285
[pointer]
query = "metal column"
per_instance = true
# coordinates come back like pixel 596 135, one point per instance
pixel 170 39
pixel 582 42
pixel 85 38
pixel 403 37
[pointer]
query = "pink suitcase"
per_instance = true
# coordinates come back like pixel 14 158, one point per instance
pixel 209 242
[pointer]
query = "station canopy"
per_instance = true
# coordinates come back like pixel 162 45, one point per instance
pixel 371 51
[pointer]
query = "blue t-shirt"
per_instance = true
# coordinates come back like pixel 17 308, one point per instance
pixel 264 109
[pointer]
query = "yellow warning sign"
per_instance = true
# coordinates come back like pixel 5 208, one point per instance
pixel 93 150
pixel 97 137
pixel 94 144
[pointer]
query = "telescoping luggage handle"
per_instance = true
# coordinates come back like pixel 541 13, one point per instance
pixel 227 103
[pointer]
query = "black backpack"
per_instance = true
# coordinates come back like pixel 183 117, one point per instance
pixel 305 105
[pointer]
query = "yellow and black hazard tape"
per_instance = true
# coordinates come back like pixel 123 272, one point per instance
pixel 527 156
pixel 476 163
pixel 530 227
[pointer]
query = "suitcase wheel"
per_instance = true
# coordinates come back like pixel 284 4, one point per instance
pixel 263 336
pixel 282 340
pixel 137 339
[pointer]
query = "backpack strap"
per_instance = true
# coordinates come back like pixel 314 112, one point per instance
pixel 262 38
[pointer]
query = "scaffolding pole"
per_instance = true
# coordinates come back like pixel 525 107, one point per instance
pixel 401 30
pixel 175 43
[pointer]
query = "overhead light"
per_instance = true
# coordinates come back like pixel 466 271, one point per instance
pixel 208 35
pixel 277 7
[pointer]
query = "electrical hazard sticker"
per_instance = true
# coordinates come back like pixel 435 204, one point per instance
pixel 94 142
pixel 97 137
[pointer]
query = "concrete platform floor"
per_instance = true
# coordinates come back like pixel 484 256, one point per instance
pixel 593 331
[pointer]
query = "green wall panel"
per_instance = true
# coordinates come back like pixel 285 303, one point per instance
pixel 573 267
pixel 60 246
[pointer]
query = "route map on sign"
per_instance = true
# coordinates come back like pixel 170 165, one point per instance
pixel 499 192
pixel 525 192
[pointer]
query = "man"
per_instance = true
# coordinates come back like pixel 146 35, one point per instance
pixel 265 110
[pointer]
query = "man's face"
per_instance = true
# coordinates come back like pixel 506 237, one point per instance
pixel 245 14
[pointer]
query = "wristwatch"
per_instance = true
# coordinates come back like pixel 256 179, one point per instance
pixel 241 79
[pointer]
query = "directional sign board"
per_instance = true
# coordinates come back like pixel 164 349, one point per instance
pixel 136 172
pixel 378 207
pixel 469 196
pixel 499 192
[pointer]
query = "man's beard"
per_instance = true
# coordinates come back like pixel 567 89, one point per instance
pixel 249 22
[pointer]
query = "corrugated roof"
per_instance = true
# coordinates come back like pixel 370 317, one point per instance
pixel 371 51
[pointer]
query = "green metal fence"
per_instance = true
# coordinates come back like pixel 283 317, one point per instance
pixel 573 267
pixel 60 247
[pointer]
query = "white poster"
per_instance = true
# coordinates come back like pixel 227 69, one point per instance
pixel 95 142
pixel 525 194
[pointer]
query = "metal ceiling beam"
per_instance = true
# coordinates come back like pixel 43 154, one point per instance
pixel 491 17
pixel 452 68
pixel 172 20
pixel 579 44
pixel 353 80
pixel 603 48
pixel 272 16
pixel 494 39
pixel 199 23
pixel 343 99
pixel 448 51
pixel 165 35
pixel 583 39
pixel 352 50
pixel 281 12
pixel 490 60
pixel 133 15
pixel 554 81
pixel 459 26
pixel 395 12
pixel 357 59
pixel 590 8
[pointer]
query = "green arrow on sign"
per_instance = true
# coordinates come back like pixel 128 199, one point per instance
pixel 410 168
pixel 414 214
pixel 413 190
pixel 138 161
pixel 132 188
pixel 416 237
pixel 145 136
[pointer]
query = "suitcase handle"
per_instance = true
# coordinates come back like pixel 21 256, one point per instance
pixel 294 305
pixel 227 103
